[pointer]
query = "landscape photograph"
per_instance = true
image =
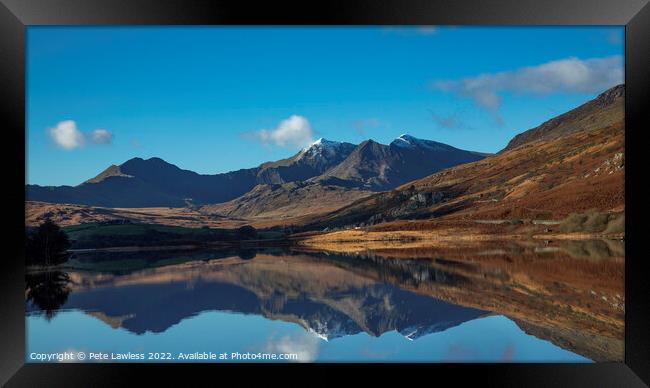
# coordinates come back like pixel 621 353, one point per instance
pixel 325 194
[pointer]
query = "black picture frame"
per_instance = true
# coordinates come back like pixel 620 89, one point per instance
pixel 16 15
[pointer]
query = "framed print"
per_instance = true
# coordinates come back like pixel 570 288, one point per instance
pixel 440 188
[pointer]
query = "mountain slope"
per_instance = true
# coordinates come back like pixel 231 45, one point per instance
pixel 574 171
pixel 148 183
pixel 309 162
pixel 606 109
pixel 374 166
pixel 288 200
pixel 112 191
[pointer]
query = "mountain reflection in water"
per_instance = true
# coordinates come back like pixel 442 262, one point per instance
pixel 574 302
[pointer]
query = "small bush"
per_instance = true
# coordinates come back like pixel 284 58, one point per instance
pixel 617 225
pixel 593 221
pixel 573 223
pixel 596 221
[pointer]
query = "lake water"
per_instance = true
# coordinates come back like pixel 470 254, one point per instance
pixel 490 304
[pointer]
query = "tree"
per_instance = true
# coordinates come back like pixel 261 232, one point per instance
pixel 47 245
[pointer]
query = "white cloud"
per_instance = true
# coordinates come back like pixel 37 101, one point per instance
pixel 101 136
pixel 570 75
pixel 294 131
pixel 66 135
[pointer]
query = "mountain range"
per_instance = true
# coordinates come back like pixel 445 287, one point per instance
pixel 571 163
pixel 344 170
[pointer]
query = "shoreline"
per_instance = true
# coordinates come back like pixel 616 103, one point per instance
pixel 371 240
pixel 353 240
pixel 349 241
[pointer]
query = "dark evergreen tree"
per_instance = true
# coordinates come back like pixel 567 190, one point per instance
pixel 47 245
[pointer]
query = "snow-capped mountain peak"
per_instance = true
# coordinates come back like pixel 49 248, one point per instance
pixel 323 143
pixel 405 140
pixel 408 141
pixel 323 148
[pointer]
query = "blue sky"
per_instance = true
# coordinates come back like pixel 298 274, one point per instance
pixel 215 99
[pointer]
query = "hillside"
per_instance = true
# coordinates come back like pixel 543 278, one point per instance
pixel 68 214
pixel 148 183
pixel 604 110
pixel 311 161
pixel 549 178
pixel 288 200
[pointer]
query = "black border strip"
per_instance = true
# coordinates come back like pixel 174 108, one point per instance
pixel 637 284
pixel 571 12
pixel 12 111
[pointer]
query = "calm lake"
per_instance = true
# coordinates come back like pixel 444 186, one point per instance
pixel 506 303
